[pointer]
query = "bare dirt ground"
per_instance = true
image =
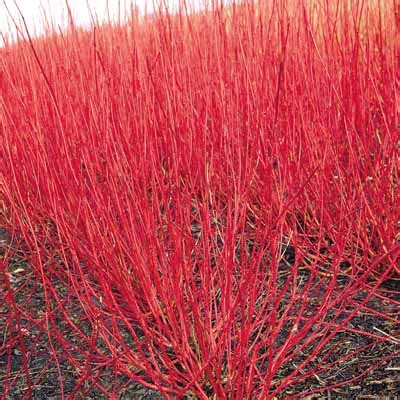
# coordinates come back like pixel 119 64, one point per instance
pixel 43 370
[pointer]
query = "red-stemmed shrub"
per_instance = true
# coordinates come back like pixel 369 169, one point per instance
pixel 203 203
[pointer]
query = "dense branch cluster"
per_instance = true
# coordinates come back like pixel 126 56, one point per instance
pixel 203 203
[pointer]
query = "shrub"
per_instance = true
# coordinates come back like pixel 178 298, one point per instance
pixel 205 202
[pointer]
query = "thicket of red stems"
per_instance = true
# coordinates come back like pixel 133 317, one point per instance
pixel 162 171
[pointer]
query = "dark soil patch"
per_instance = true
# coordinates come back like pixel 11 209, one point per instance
pixel 44 366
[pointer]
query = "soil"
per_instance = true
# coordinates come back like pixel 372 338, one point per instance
pixel 41 368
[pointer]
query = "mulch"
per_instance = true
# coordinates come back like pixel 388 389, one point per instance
pixel 43 371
